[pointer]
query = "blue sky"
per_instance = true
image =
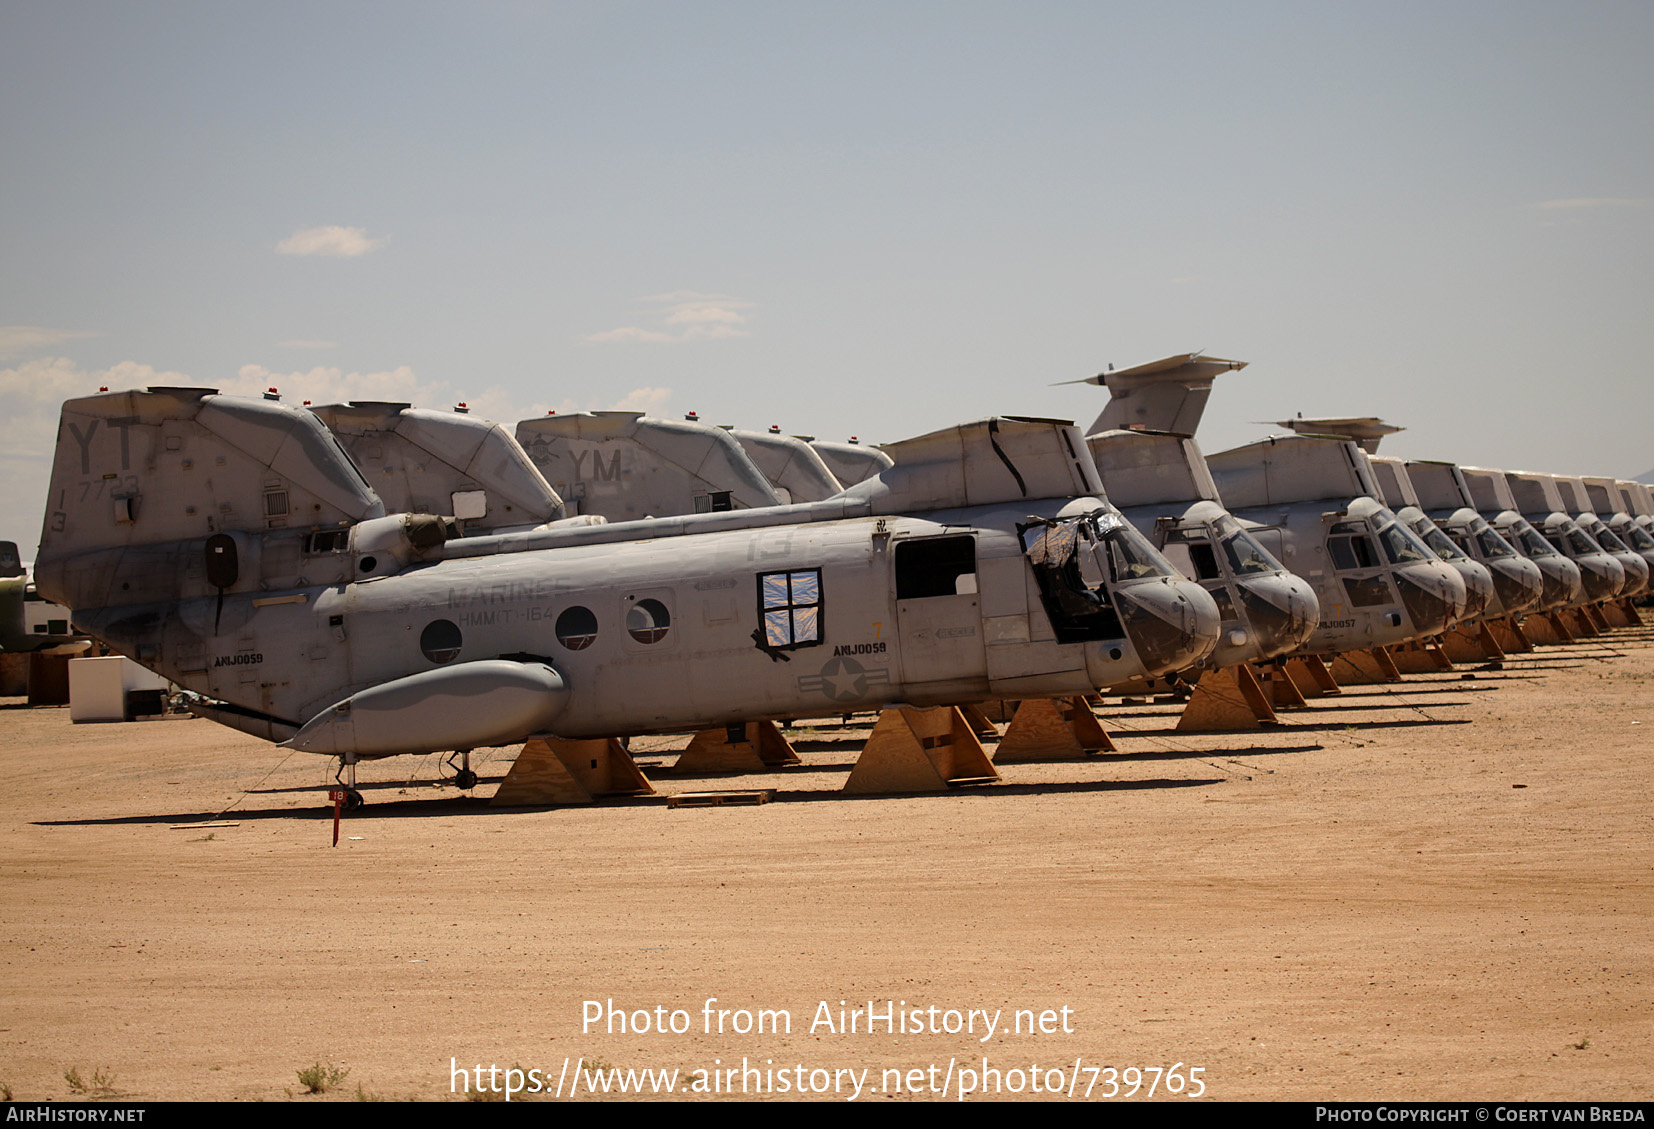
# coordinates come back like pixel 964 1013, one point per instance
pixel 869 219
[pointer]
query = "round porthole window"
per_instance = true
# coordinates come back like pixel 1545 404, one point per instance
pixel 440 641
pixel 648 621
pixel 577 628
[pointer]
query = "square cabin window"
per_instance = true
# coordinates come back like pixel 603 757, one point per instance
pixel 935 566
pixel 789 604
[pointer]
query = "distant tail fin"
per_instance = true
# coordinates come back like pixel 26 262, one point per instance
pixel 140 480
pixel 430 462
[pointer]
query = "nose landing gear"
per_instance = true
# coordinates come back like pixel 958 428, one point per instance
pixel 353 798
pixel 464 778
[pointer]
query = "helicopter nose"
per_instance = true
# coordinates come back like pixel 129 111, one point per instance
pixel 1433 594
pixel 1563 581
pixel 1173 624
pixel 1636 573
pixel 1281 610
pixel 1478 585
pixel 1517 582
pixel 1601 576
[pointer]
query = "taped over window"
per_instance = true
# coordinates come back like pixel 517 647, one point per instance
pixel 789 605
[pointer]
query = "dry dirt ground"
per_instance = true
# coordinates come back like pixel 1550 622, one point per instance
pixel 1436 890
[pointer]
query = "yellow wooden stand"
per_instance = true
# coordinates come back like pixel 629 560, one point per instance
pixel 762 747
pixel 1278 686
pixel 1226 699
pixel 914 750
pixel 554 771
pixel 1000 710
pixel 1548 628
pixel 1581 623
pixel 1312 677
pixel 1420 658
pixel 1628 609
pixel 1052 729
pixel 1511 636
pixel 977 718
pixel 1365 667
pixel 1469 645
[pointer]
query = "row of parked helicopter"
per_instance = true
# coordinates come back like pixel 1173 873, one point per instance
pixel 374 579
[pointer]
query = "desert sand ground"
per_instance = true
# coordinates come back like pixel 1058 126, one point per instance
pixel 1442 889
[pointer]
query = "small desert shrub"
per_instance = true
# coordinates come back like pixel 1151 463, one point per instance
pixel 319 1079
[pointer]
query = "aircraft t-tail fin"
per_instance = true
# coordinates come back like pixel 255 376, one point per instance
pixel 1164 395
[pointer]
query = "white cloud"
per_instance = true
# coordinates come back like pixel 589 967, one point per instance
pixel 18 339
pixel 31 396
pixel 696 316
pixel 333 242
pixel 712 332
pixel 695 312
pixel 326 384
pixel 303 344
pixel 672 297
pixel 1596 202
pixel 649 401
pixel 628 333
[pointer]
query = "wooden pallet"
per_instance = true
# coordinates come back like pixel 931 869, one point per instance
pixel 718 799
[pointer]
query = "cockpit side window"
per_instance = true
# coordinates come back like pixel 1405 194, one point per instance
pixel 1351 551
pixel 1190 551
pixel 1205 561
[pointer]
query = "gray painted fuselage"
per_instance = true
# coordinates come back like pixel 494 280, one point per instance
pixel 233 547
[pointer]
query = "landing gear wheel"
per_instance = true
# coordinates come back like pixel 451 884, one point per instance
pixel 464 778
pixel 353 798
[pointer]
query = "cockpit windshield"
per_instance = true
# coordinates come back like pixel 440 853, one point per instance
pixel 1493 546
pixel 1606 538
pixel 1132 557
pixel 1572 541
pixel 1639 538
pixel 1246 556
pixel 1531 542
pixel 1430 533
pixel 1104 548
pixel 1401 545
